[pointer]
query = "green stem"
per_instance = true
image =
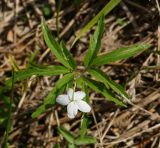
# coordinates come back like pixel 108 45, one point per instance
pixel 8 125
pixel 57 17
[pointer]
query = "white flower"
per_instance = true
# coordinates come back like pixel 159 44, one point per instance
pixel 74 102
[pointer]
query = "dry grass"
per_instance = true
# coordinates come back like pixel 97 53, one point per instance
pixel 137 126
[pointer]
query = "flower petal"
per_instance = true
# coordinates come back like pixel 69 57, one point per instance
pixel 63 99
pixel 72 110
pixel 79 95
pixel 70 93
pixel 83 106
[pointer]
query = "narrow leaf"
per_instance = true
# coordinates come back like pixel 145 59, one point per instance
pixel 66 134
pixel 107 8
pixel 53 45
pixel 85 140
pixel 67 55
pixel 84 126
pixel 38 71
pixel 100 88
pixel 56 145
pixel 32 58
pixel 101 76
pixel 119 54
pixel 95 42
pixel 50 100
pixel 71 145
pixel 9 116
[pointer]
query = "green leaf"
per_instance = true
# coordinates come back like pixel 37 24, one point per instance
pixel 85 140
pixel 95 42
pixel 85 120
pixel 66 134
pixel 39 71
pixel 84 126
pixel 67 55
pixel 71 145
pixel 3 116
pixel 32 58
pixel 50 100
pixel 77 2
pixel 85 89
pixel 101 76
pixel 6 100
pixel 8 116
pixel 107 8
pixel 47 10
pixel 100 88
pixel 53 45
pixel 119 54
pixel 65 80
pixel 56 145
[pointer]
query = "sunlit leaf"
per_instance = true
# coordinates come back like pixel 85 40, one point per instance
pixel 53 45
pixel 85 140
pixel 95 42
pixel 101 88
pixel 101 76
pixel 119 54
pixel 107 8
pixel 71 145
pixel 38 71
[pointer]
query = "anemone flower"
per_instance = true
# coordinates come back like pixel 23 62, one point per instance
pixel 73 101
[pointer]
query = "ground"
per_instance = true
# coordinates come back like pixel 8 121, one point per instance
pixel 136 126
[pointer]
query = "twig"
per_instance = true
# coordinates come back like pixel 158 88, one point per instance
pixel 110 124
pixel 134 135
pixel 158 48
pixel 129 15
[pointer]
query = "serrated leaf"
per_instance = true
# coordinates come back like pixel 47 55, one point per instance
pixel 119 54
pixel 85 140
pixel 66 134
pixel 53 45
pixel 101 76
pixel 107 8
pixel 50 100
pixel 67 55
pixel 100 88
pixel 95 42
